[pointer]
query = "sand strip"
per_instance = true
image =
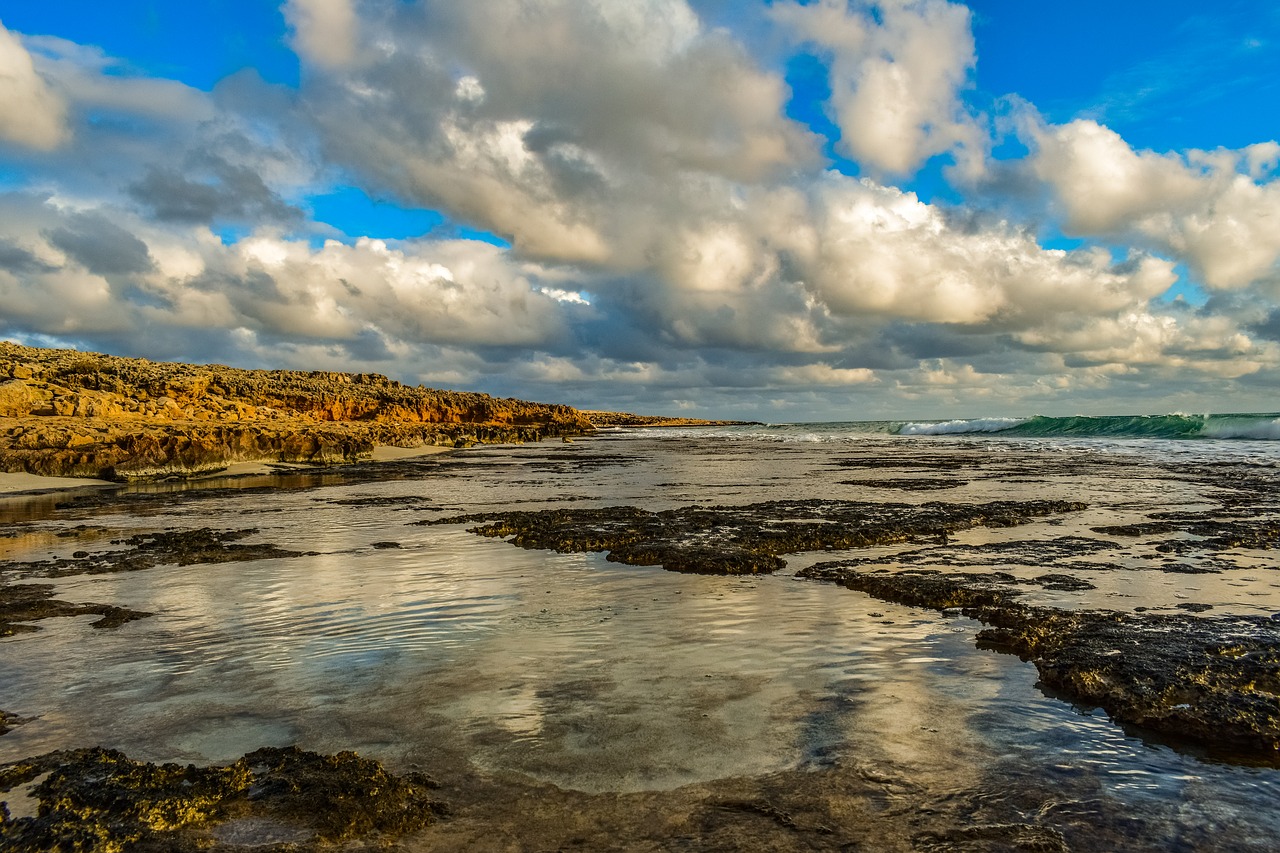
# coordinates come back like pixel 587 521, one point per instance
pixel 392 454
pixel 16 483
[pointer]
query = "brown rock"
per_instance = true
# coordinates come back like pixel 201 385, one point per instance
pixel 95 415
pixel 16 399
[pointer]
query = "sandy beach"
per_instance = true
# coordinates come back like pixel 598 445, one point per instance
pixel 11 484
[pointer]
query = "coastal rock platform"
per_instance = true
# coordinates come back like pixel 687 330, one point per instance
pixel 65 413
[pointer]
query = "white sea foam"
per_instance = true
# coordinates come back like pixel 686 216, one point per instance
pixel 961 426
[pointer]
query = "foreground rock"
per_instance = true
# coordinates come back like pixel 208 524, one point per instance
pixel 745 540
pixel 1212 681
pixel 72 414
pixel 101 800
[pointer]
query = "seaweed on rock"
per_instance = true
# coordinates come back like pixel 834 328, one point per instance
pixel 740 540
pixel 102 800
pixel 1215 681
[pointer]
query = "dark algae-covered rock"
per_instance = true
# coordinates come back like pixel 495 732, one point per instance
pixel 30 602
pixel 202 546
pixel 1214 681
pixel 23 603
pixel 8 721
pixel 342 796
pixel 740 540
pixel 101 800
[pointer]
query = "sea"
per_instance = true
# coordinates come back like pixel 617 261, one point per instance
pixel 427 646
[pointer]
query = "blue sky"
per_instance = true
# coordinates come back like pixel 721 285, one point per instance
pixel 784 211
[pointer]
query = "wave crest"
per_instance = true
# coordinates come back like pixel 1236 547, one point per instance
pixel 957 427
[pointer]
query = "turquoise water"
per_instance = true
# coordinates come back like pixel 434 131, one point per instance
pixel 1178 426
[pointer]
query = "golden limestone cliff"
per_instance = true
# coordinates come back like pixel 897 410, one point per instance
pixel 77 414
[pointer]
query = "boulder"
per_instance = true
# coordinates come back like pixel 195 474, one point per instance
pixel 16 399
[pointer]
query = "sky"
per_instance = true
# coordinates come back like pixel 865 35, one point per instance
pixel 781 211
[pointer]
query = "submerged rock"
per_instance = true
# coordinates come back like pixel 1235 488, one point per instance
pixel 203 546
pixel 8 721
pixel 1215 681
pixel 739 540
pixel 101 800
pixel 23 603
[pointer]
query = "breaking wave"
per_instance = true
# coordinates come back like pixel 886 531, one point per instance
pixel 1260 427
pixel 1177 426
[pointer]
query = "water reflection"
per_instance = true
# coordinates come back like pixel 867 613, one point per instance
pixel 580 672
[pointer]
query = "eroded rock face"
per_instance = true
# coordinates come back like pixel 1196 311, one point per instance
pixel 16 399
pixel 740 540
pixel 101 800
pixel 86 414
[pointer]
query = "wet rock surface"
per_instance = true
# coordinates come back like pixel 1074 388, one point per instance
pixel 101 800
pixel 23 603
pixel 1214 681
pixel 1063 553
pixel 856 805
pixel 908 484
pixel 746 539
pixel 141 551
pixel 8 721
pixel 288 800
pixel 1211 532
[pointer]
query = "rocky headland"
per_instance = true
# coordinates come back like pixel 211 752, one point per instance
pixel 627 419
pixel 65 413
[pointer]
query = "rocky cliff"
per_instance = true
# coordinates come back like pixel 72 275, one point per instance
pixel 78 414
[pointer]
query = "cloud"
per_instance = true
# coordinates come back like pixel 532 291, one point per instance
pixel 896 70
pixel 1217 210
pixel 60 262
pixel 324 31
pixel 32 114
pixel 100 246
pixel 228 191
pixel 675 236
pixel 533 119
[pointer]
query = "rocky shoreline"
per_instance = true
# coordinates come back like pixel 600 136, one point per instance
pixel 627 419
pixel 1212 682
pixel 1206 684
pixel 65 413
pixel 276 798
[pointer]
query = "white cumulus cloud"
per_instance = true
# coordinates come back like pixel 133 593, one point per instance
pixel 324 31
pixel 896 68
pixel 1217 210
pixel 32 114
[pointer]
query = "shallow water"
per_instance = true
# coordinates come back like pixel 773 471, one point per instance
pixel 455 650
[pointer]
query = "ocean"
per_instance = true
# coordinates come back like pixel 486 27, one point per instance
pixel 561 696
